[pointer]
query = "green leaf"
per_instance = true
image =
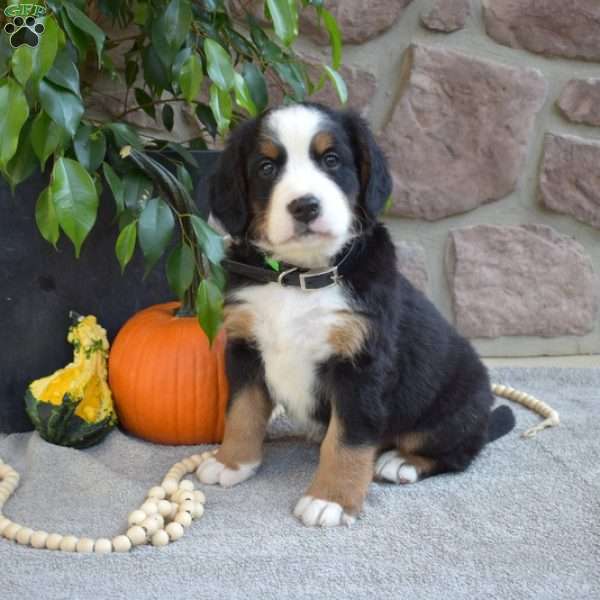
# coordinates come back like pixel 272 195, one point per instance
pixel 125 244
pixel 131 71
pixel 6 51
pixel 75 199
pixel 23 163
pixel 292 75
pixel 218 276
pixel 190 77
pixel 124 135
pixel 220 104
pixel 137 189
pixel 45 52
pixel 243 96
pixel 85 24
pixel 155 229
pixel 22 64
pixel 168 116
pixel 14 111
pixel 63 107
pixel 338 83
pixel 116 187
pixel 170 30
pixel 184 176
pixel 45 217
pixel 204 113
pixel 185 154
pixel 90 147
pixel 46 137
pixel 257 86
pixel 78 38
pixel 155 72
pixel 145 101
pixel 209 306
pixel 64 73
pixel 210 241
pixel 335 37
pixel 274 264
pixel 284 15
pixel 220 69
pixel 180 269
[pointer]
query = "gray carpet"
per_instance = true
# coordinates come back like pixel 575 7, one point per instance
pixel 523 522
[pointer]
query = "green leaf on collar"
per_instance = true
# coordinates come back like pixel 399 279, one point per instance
pixel 274 264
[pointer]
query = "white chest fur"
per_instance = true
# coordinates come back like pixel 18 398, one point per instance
pixel 291 327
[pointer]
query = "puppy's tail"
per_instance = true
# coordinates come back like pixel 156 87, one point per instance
pixel 502 421
pixel 551 418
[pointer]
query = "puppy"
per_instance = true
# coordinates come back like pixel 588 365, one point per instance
pixel 355 354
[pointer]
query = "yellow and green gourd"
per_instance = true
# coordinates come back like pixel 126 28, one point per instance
pixel 73 406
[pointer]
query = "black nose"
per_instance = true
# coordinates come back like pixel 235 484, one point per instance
pixel 305 209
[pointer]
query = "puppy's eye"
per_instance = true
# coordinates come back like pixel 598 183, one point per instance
pixel 331 160
pixel 267 169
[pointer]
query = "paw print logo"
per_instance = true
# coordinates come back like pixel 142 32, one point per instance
pixel 24 31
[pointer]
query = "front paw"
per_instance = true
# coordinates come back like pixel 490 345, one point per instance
pixel 315 512
pixel 213 472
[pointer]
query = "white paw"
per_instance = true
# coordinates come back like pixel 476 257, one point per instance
pixel 212 472
pixel 314 512
pixel 392 467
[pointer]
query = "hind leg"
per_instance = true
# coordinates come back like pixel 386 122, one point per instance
pixel 422 454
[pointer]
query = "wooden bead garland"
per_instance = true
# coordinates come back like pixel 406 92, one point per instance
pixel 162 518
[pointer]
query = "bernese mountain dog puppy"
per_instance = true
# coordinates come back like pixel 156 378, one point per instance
pixel 331 331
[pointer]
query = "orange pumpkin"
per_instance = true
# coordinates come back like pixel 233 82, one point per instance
pixel 168 384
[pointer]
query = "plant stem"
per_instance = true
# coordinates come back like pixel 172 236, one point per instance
pixel 153 103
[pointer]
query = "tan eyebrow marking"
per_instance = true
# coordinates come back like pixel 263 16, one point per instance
pixel 322 142
pixel 268 148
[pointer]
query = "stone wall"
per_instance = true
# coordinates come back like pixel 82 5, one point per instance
pixel 489 112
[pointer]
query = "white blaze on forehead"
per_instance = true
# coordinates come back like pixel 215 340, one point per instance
pixel 294 128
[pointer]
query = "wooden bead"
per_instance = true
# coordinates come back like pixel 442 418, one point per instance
pixel 186 485
pixel 183 518
pixel 198 510
pixel 137 535
pixel 196 459
pixel 121 543
pixel 136 517
pixel 38 539
pixel 170 485
pixel 174 510
pixel 151 525
pixel 24 536
pixel 5 470
pixel 68 543
pixel 10 533
pixel 199 496
pixel 175 531
pixel 53 541
pixel 4 523
pixel 189 464
pixel 160 538
pixel 150 508
pixel 104 546
pixel 164 508
pixel 186 496
pixel 176 496
pixel 85 545
pixel 157 492
pixel 188 506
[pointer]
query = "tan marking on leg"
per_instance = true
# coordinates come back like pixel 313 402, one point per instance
pixel 344 472
pixel 411 442
pixel 347 336
pixel 267 147
pixel 238 322
pixel 245 427
pixel 322 142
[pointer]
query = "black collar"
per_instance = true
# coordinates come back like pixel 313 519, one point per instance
pixel 290 275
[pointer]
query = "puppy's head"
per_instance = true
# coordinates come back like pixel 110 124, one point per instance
pixel 299 182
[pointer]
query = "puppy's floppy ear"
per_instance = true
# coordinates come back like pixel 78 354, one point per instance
pixel 375 179
pixel 228 186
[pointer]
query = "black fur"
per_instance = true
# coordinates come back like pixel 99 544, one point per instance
pixel 415 373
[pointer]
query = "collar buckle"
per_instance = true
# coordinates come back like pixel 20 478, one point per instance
pixel 335 278
pixel 284 274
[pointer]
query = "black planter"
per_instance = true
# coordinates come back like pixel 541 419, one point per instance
pixel 39 286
